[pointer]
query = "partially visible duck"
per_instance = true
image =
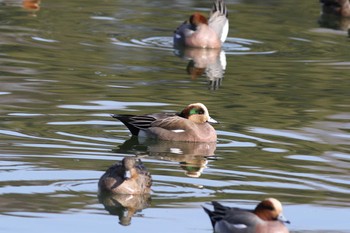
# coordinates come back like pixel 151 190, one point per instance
pixel 31 5
pixel 265 218
pixel 200 32
pixel 129 176
pixel 336 7
pixel 190 125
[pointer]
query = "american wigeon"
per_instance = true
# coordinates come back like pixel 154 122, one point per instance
pixel 31 4
pixel 201 32
pixel 336 7
pixel 190 125
pixel 129 176
pixel 265 218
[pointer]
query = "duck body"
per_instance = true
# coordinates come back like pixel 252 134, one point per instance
pixel 200 32
pixel 191 125
pixel 265 218
pixel 116 181
pixel 336 7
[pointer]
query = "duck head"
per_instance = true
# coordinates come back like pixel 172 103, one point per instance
pixel 270 209
pixel 197 113
pixel 197 19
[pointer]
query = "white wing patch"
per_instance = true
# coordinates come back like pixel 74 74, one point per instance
pixel 240 226
pixel 176 151
pixel 178 130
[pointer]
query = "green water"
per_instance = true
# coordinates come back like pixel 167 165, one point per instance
pixel 282 101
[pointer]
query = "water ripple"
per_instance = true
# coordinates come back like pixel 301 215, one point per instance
pixel 233 46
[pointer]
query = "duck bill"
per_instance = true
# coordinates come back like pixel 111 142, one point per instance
pixel 211 120
pixel 283 219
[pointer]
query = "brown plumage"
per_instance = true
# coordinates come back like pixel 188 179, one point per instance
pixel 202 32
pixel 191 125
pixel 115 179
pixel 336 7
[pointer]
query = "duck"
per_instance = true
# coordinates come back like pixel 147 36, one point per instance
pixel 129 176
pixel 267 217
pixel 202 32
pixel 192 124
pixel 31 5
pixel 336 7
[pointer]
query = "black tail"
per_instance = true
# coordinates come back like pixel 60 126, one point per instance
pixel 126 119
pixel 210 214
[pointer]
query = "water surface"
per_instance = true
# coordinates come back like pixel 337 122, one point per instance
pixel 279 88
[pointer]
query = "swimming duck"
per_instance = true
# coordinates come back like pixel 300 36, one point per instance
pixel 190 125
pixel 129 176
pixel 265 218
pixel 336 7
pixel 200 32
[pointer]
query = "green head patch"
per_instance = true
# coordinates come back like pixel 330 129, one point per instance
pixel 196 111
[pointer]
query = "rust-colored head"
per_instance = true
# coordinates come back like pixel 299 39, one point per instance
pixel 31 4
pixel 270 209
pixel 198 19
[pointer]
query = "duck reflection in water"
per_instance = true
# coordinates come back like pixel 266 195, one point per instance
pixel 125 206
pixel 200 39
pixel 124 188
pixel 335 14
pixel 192 157
pixel 210 63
